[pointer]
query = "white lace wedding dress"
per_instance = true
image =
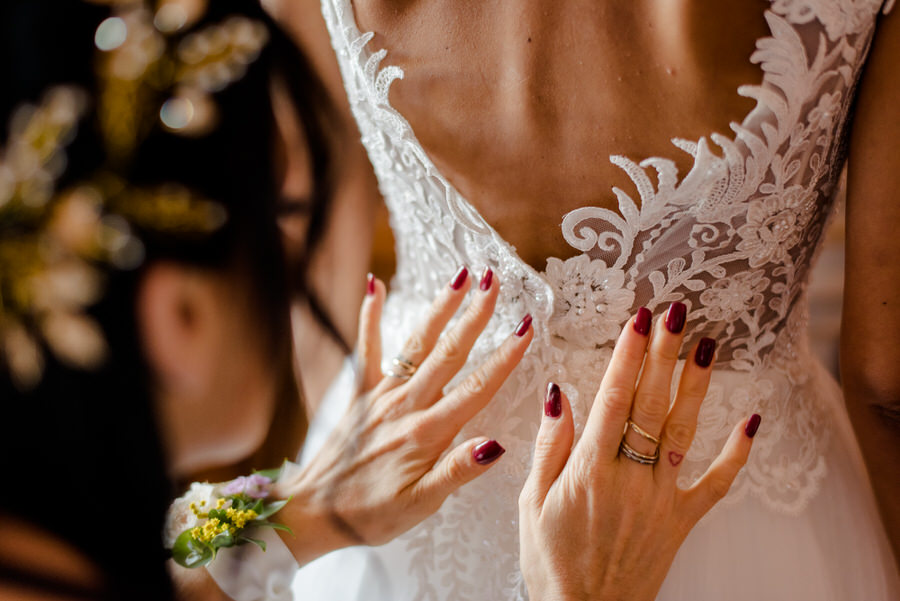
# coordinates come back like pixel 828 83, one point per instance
pixel 733 239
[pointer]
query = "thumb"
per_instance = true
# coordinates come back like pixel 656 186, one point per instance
pixel 714 484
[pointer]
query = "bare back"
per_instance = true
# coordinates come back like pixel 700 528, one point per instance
pixel 520 104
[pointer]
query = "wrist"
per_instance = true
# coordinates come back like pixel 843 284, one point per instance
pixel 308 516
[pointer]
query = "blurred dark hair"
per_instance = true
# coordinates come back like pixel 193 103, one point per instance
pixel 81 452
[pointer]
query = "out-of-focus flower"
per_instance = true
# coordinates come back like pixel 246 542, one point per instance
pixel 254 486
pixel 180 516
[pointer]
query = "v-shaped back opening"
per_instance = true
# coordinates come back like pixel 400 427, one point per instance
pixel 534 218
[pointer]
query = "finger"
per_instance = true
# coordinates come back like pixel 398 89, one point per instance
pixel 678 431
pixel 476 391
pixel 426 335
pixel 714 484
pixel 654 391
pixel 461 465
pixel 452 349
pixel 551 447
pixel 368 345
pixel 612 405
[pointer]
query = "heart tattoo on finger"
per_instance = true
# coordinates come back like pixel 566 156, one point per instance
pixel 675 458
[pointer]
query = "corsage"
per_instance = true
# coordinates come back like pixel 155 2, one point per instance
pixel 210 517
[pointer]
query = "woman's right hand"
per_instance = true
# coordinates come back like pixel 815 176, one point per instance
pixel 386 466
pixel 595 524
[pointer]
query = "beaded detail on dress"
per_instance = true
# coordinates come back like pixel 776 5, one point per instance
pixel 734 239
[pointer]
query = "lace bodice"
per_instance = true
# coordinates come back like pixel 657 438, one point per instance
pixel 733 239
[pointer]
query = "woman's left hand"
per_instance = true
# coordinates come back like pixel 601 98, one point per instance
pixel 598 524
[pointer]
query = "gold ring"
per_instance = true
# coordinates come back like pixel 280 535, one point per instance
pixel 401 368
pixel 629 452
pixel 642 432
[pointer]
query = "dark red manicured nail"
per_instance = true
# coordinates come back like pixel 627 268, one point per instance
pixel 642 321
pixel 487 452
pixel 706 350
pixel 675 317
pixel 752 425
pixel 460 278
pixel 523 326
pixel 370 284
pixel 553 404
pixel 486 278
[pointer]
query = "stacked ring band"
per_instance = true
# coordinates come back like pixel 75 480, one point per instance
pixel 641 432
pixel 401 368
pixel 629 452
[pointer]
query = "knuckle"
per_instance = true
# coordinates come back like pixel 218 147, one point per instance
pixel 695 385
pixel 652 405
pixel 616 399
pixel 414 345
pixel 477 384
pixel 680 435
pixel 455 470
pixel 449 347
pixel 633 354
pixel 663 355
pixel 500 362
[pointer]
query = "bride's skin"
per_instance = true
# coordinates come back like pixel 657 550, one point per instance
pixel 526 155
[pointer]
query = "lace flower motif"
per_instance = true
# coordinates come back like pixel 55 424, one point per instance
pixel 591 299
pixel 775 225
pixel 728 298
pixel 826 112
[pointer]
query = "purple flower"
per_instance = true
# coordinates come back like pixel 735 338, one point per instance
pixel 255 486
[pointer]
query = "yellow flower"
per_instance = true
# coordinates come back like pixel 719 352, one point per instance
pixel 210 530
pixel 240 518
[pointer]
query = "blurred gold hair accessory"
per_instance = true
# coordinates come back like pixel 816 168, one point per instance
pixel 149 62
pixel 54 243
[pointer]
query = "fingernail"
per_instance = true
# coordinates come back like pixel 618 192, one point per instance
pixel 675 317
pixel 460 278
pixel 486 278
pixel 642 321
pixel 487 452
pixel 370 284
pixel 553 404
pixel 523 326
pixel 752 425
pixel 706 350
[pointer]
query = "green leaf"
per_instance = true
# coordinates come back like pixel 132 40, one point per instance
pixel 273 525
pixel 271 509
pixel 271 473
pixel 259 543
pixel 191 553
pixel 225 539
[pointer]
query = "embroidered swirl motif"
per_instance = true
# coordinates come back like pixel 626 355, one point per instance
pixel 733 238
